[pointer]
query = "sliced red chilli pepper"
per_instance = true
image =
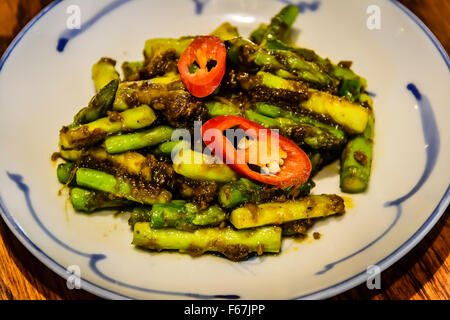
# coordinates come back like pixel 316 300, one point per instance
pixel 202 65
pixel 295 168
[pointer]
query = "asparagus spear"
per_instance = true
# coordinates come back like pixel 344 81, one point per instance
pixel 130 162
pixel 279 27
pixel 351 116
pixel 138 140
pixel 352 85
pixel 99 105
pixel 257 35
pixel 235 245
pixel 216 109
pixel 103 72
pixel 226 31
pixel 179 215
pixel 155 46
pixel 238 192
pixel 131 69
pixel 281 23
pixel 356 161
pixel 313 206
pixel 302 128
pixel 198 166
pixel 65 172
pixel 303 134
pixel 165 149
pixel 93 132
pixel 132 93
pixel 89 201
pixel 266 87
pixel 119 187
pixel 247 53
pixel 275 111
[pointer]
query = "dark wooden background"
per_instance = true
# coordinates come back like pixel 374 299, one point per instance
pixel 422 274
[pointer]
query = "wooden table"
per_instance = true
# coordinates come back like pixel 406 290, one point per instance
pixel 422 274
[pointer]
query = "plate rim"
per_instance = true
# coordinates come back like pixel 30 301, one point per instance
pixel 327 292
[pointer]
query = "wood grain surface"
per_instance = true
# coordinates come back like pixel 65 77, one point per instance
pixel 422 274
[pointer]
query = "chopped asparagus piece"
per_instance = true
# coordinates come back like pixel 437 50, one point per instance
pixel 103 72
pixel 226 31
pixel 238 192
pixel 65 172
pixel 89 201
pixel 165 149
pixel 130 69
pixel 216 109
pixel 356 161
pixel 257 35
pixel 99 105
pixel 132 93
pixel 97 180
pixel 197 166
pixel 351 116
pixel 179 215
pixel 93 132
pixel 281 23
pixel 313 206
pixel 155 46
pixel 235 245
pixel 301 133
pixel 138 140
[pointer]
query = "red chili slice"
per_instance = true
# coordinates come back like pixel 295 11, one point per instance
pixel 295 170
pixel 202 65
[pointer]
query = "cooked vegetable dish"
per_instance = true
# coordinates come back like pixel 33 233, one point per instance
pixel 212 142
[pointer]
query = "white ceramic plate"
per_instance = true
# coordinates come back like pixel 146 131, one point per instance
pixel 45 79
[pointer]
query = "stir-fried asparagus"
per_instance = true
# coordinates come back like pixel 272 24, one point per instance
pixel 129 162
pixel 65 172
pixel 198 166
pixel 356 160
pixel 302 134
pixel 351 116
pixel 247 53
pixel 161 55
pixel 313 206
pixel 99 105
pixel 281 23
pixel 89 201
pixel 120 187
pixel 179 215
pixel 103 72
pixel 131 70
pixel 93 132
pixel 226 31
pixel 235 245
pixel 132 93
pixel 165 149
pixel 218 108
pixel 138 140
pixel 235 193
pixel 119 153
